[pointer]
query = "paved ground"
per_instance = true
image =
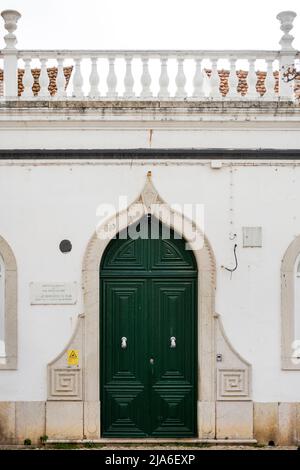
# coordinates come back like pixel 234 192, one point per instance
pixel 150 447
pixel 218 447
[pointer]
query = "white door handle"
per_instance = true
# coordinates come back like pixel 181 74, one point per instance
pixel 173 342
pixel 123 342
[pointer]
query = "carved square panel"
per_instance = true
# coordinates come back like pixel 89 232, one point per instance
pixel 232 384
pixel 65 384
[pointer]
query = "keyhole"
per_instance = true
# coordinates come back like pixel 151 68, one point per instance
pixel 151 361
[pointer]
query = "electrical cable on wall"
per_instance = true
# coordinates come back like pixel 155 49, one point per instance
pixel 231 270
pixel 232 234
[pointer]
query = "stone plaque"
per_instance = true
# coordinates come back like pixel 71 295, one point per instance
pixel 53 293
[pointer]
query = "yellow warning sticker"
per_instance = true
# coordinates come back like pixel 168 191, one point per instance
pixel 73 357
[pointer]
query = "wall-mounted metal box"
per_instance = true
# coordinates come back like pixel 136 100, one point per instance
pixel 252 237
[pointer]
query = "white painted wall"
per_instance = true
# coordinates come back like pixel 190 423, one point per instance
pixel 42 203
pixel 2 310
pixel 148 136
pixel 297 299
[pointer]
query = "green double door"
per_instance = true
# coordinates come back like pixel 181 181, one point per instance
pixel 148 327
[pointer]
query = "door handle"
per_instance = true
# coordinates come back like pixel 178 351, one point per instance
pixel 123 342
pixel 173 342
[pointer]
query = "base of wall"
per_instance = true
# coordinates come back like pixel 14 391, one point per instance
pixel 277 422
pixel 155 441
pixel 79 422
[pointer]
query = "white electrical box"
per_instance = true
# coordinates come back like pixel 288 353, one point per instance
pixel 252 237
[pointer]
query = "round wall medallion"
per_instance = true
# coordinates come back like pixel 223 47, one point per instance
pixel 65 246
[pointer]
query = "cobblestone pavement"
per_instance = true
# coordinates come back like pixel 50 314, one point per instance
pixel 149 448
pixel 218 447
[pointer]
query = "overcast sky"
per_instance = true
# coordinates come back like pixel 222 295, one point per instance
pixel 150 24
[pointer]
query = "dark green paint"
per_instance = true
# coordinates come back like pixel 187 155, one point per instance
pixel 148 294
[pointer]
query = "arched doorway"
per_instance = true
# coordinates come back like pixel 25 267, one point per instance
pixel 216 380
pixel 148 331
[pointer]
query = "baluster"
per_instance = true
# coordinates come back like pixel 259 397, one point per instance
pixel 198 80
pixel 233 80
pixel 111 79
pixel 206 84
pixel 252 81
pixel 287 56
pixel 269 81
pixel 94 79
pixel 128 79
pixel 10 54
pixel 27 79
pixel 215 80
pixel 77 79
pixel 180 79
pixel 145 80
pixel 60 79
pixel 44 79
pixel 163 78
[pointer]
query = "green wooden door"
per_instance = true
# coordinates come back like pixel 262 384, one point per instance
pixel 148 337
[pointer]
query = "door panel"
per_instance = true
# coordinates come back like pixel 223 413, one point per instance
pixel 173 378
pixel 171 256
pixel 148 295
pixel 126 255
pixel 124 377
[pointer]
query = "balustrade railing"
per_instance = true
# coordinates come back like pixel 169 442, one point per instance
pixel 148 75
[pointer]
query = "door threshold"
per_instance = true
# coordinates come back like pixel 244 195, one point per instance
pixel 122 441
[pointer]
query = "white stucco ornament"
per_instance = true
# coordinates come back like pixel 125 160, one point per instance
pixel 149 194
pixel 11 18
pixel 286 19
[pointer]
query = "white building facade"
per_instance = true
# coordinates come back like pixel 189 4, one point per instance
pixel 222 169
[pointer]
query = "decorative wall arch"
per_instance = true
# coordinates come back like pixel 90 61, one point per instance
pixel 149 201
pixel 225 381
pixel 289 348
pixel 10 306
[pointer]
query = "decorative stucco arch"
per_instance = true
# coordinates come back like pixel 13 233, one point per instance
pixel 223 375
pixel 10 306
pixel 149 201
pixel 289 353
